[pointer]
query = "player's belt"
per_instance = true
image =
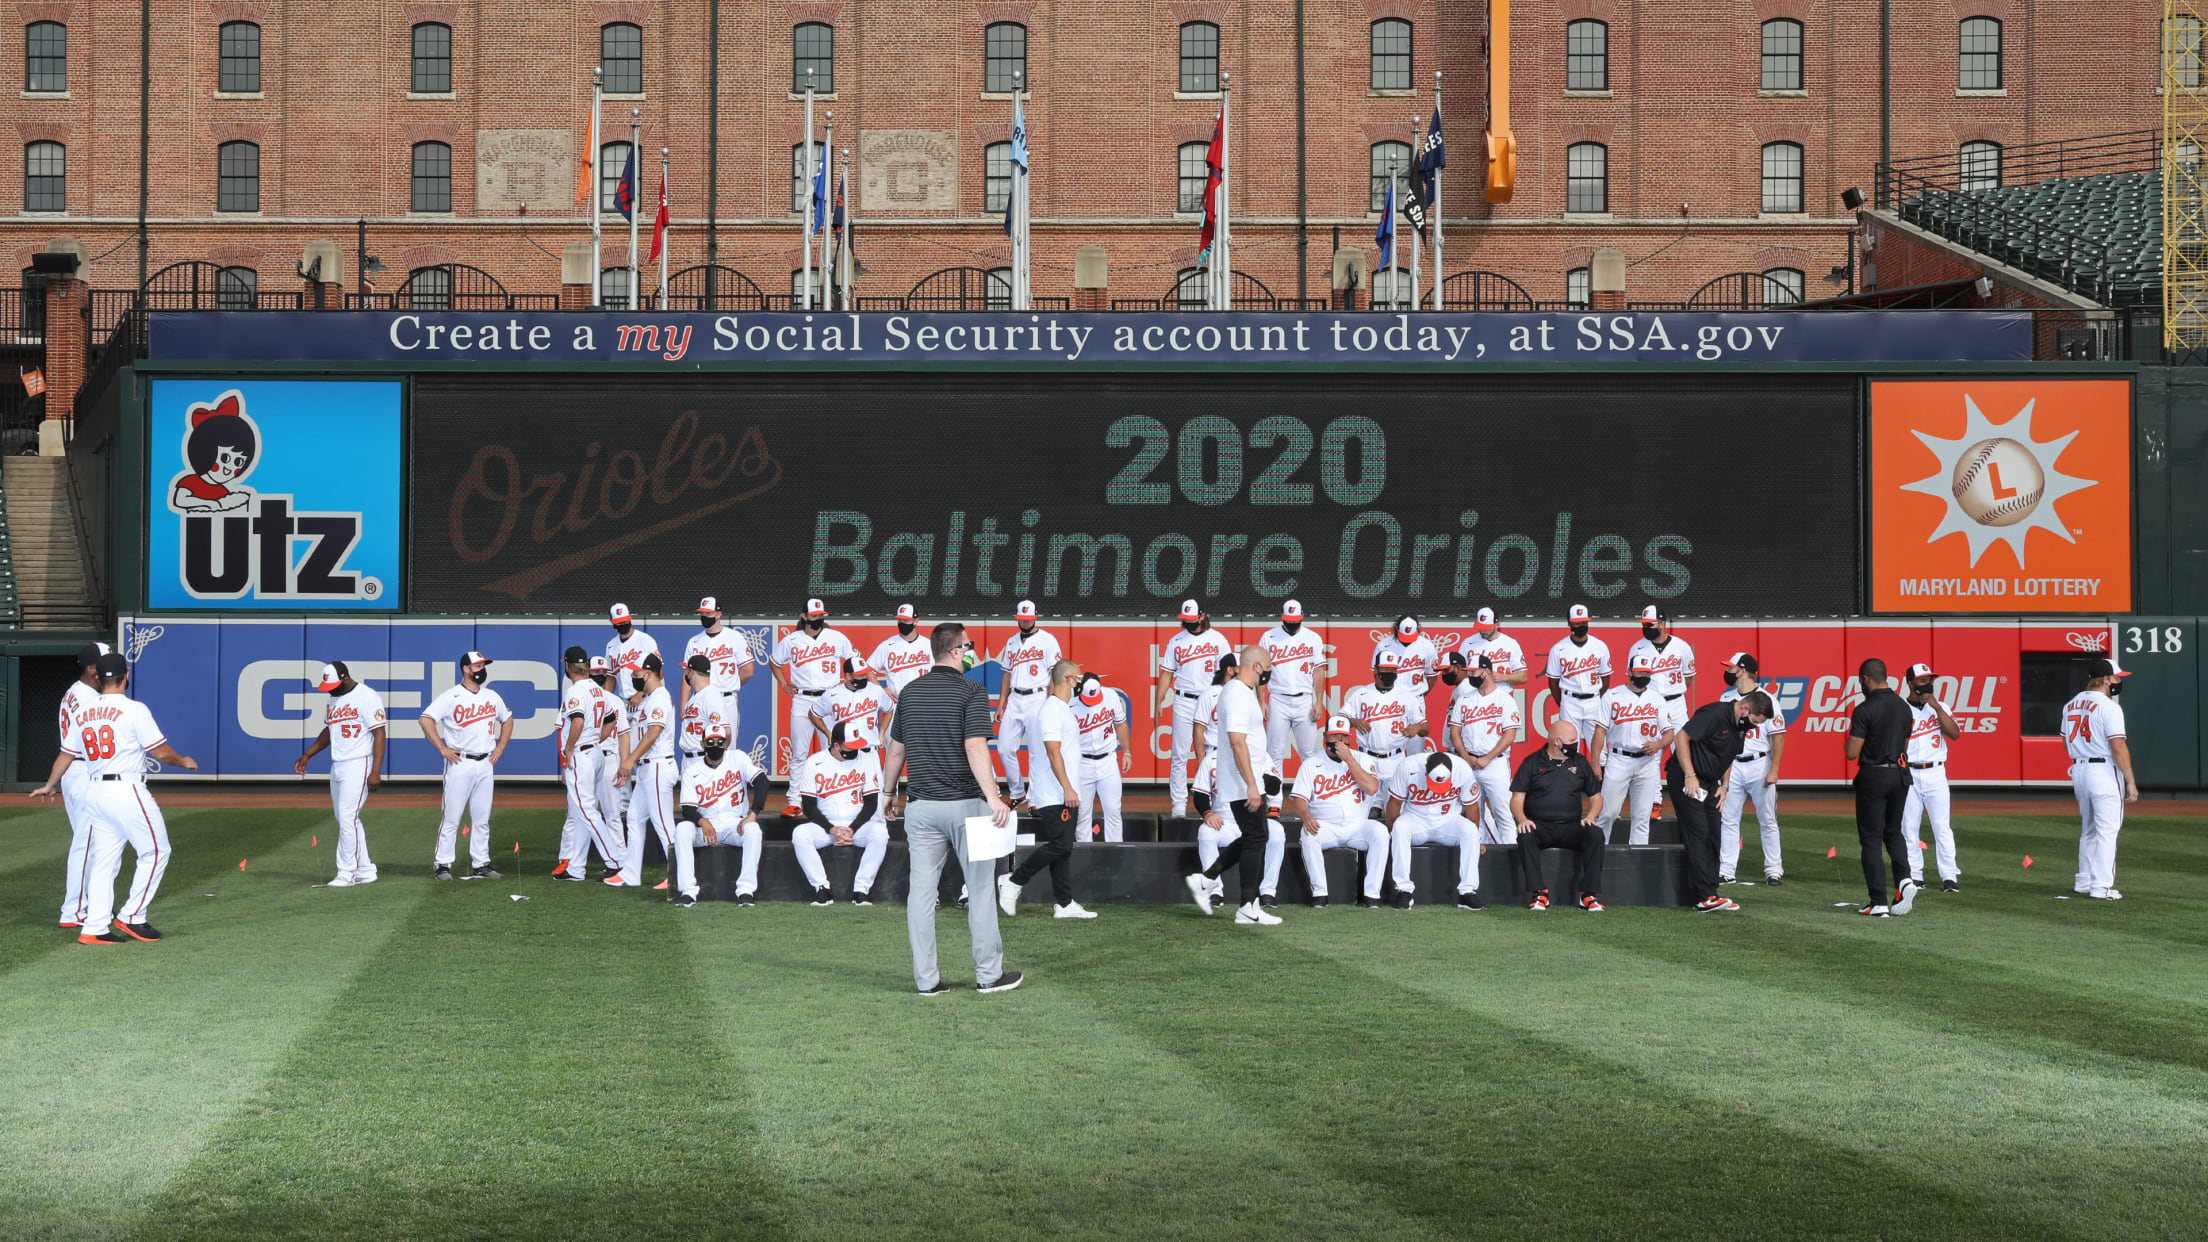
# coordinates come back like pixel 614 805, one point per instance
pixel 1106 755
pixel 1380 754
pixel 584 750
pixel 810 694
pixel 1919 767
pixel 109 778
pixel 1570 694
pixel 1761 754
pixel 485 755
pixel 1037 690
pixel 1630 754
pixel 693 754
pixel 1291 694
pixel 124 776
pixel 1188 694
pixel 1669 697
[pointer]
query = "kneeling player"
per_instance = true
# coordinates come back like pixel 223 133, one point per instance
pixel 840 794
pixel 721 794
pixel 1427 806
pixel 1331 791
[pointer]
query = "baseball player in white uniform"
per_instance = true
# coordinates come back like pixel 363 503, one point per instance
pixel 1184 672
pixel 1388 715
pixel 1487 638
pixel 652 762
pixel 1214 828
pixel 1416 660
pixel 858 701
pixel 1578 672
pixel 1027 658
pixel 1632 732
pixel 721 794
pixel 625 651
pixel 1670 664
pixel 470 726
pixel 1295 705
pixel 613 756
pixel 1755 779
pixel 1484 723
pixel 732 662
pixel 113 736
pixel 840 790
pixel 1106 756
pixel 703 703
pixel 1932 728
pixel 1432 802
pixel 586 718
pixel 74 801
pixel 2093 733
pixel 1332 796
pixel 353 733
pixel 807 662
pixel 902 656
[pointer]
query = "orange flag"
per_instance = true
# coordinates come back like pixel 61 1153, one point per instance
pixel 241 864
pixel 583 162
pixel 1834 852
pixel 314 843
pixel 2027 860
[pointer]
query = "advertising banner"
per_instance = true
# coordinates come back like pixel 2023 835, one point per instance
pixel 2000 496
pixel 274 494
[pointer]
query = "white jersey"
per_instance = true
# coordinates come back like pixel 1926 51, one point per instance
pixel 1479 721
pixel 1926 743
pixel 711 705
pixel 899 659
pixel 1295 658
pixel 468 718
pixel 813 663
pixel 1099 725
pixel 2089 723
pixel 1461 790
pixel 1239 713
pixel 1193 658
pixel 657 709
pixel 1670 665
pixel 626 655
pixel 112 735
pixel 1580 669
pixel 1502 651
pixel 1207 715
pixel 1054 723
pixel 1389 716
pixel 1756 740
pixel 1027 660
pixel 76 697
pixel 1333 795
pixel 721 794
pixel 841 785
pixel 617 710
pixel 353 718
pixel 1417 663
pixel 865 708
pixel 1635 718
pixel 729 653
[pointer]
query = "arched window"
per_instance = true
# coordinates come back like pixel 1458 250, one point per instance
pixel 1782 54
pixel 2180 46
pixel 1586 178
pixel 238 177
pixel 1782 286
pixel 812 51
pixel 613 160
pixel 45 57
pixel 1391 54
pixel 996 177
pixel 1194 175
pixel 1389 160
pixel 621 55
pixel 429 288
pixel 237 288
pixel 1192 288
pixel 1587 56
pixel 432 59
pixel 1579 287
pixel 45 177
pixel 240 69
pixel 1004 58
pixel 1980 54
pixel 1980 166
pixel 1199 58
pixel 1782 177
pixel 615 286
pixel 432 177
pixel 800 187
pixel 1391 289
pixel 996 289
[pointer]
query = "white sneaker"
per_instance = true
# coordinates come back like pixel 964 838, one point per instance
pixel 342 881
pixel 2105 894
pixel 1072 910
pixel 1200 888
pixel 1179 812
pixel 1218 891
pixel 364 877
pixel 1008 896
pixel 1908 897
pixel 1255 913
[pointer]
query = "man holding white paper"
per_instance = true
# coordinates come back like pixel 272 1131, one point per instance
pixel 941 731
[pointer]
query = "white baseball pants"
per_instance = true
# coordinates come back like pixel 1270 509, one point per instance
pixel 1496 825
pixel 1454 830
pixel 587 780
pixel 76 800
pixel 467 788
pixel 348 793
pixel 1928 799
pixel 689 839
pixel 122 811
pixel 1184 741
pixel 1638 781
pixel 1016 732
pixel 1288 720
pixel 1582 713
pixel 808 732
pixel 652 801
pixel 810 839
pixel 1367 835
pixel 2101 810
pixel 613 796
pixel 1209 841
pixel 1099 786
pixel 1747 788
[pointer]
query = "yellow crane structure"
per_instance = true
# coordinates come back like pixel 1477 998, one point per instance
pixel 2184 204
pixel 1502 149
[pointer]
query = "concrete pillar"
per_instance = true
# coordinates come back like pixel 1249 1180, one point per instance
pixel 576 276
pixel 326 289
pixel 1606 282
pixel 1349 277
pixel 67 326
pixel 1090 279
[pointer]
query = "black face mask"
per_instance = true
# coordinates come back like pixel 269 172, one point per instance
pixel 845 755
pixel 1638 683
pixel 480 676
pixel 1290 627
pixel 1193 627
pixel 904 629
pixel 1482 684
pixel 1579 630
pixel 1651 633
pixel 707 623
pixel 856 683
pixel 1923 688
pixel 339 689
pixel 600 680
pixel 713 755
pixel 2115 689
pixel 1264 677
pixel 1384 681
pixel 622 629
pixel 814 627
pixel 1451 677
pixel 638 682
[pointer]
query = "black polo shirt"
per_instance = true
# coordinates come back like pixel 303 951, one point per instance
pixel 1554 787
pixel 1883 721
pixel 938 712
pixel 1714 740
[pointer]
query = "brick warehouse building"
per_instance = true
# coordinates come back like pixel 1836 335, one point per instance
pixel 1695 139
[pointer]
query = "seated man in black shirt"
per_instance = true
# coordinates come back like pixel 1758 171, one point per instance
pixel 1701 761
pixel 1556 800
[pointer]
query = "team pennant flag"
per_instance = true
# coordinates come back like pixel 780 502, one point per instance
pixel 659 223
pixel 1385 235
pixel 1214 170
pixel 585 168
pixel 1431 160
pixel 624 195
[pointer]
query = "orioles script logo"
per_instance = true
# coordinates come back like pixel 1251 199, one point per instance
pixel 709 792
pixel 1324 786
pixel 465 715
pixel 1573 666
pixel 828 786
pixel 691 477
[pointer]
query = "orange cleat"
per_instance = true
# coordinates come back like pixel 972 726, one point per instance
pixel 561 869
pixel 660 887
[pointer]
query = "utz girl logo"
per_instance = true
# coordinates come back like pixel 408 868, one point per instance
pixel 220 447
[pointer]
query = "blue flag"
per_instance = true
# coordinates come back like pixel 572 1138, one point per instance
pixel 624 195
pixel 1019 156
pixel 817 217
pixel 1386 235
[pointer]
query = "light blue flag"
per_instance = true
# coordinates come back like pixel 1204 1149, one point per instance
pixel 1386 234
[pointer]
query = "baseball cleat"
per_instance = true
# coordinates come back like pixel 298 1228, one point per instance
pixel 613 880
pixel 1471 901
pixel 1714 903
pixel 1905 896
pixel 1369 903
pixel 2105 894
pixel 1589 903
pixel 560 870
pixel 822 897
pixel 1540 901
pixel 443 872
pixel 576 874
pixel 484 873
pixel 684 901
pixel 1254 914
pixel 1319 902
pixel 102 938
pixel 941 988
pixel 70 925
pixel 1199 888
pixel 860 897
pixel 341 880
pixel 1875 910
pixel 961 902
pixel 1726 879
pixel 1008 895
pixel 1004 983
pixel 660 887
pixel 1403 900
pixel 1270 901
pixel 746 899
pixel 1772 881
pixel 1950 886
pixel 1072 910
pixel 139 931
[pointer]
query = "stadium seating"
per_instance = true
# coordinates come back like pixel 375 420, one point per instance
pixel 2099 235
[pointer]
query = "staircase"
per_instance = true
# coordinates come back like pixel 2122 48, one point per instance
pixel 51 586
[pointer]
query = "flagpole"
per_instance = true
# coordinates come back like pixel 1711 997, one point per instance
pixel 662 235
pixel 636 139
pixel 597 179
pixel 1222 290
pixel 1019 290
pixel 845 268
pixel 805 214
pixel 827 145
pixel 1415 298
pixel 1435 211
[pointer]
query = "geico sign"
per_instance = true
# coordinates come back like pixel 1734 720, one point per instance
pixel 298 713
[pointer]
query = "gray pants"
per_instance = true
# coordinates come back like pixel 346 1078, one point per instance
pixel 934 832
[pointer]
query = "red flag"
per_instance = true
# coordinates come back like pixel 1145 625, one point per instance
pixel 1834 852
pixel 2027 860
pixel 659 223
pixel 1213 171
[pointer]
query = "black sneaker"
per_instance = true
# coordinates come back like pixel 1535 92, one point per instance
pixel 961 902
pixel 1368 903
pixel 860 897
pixel 484 873
pixel 1772 881
pixel 443 872
pixel 1319 902
pixel 1004 983
pixel 822 897
pixel 1269 901
pixel 746 899
pixel 1950 886
pixel 139 931
pixel 1471 901
pixel 941 988
pixel 1726 879
pixel 684 901
pixel 1402 900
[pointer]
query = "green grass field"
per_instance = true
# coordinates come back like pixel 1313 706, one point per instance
pixel 422 1061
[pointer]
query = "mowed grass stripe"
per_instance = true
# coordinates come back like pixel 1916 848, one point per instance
pixel 542 1069
pixel 1035 1113
pixel 116 1064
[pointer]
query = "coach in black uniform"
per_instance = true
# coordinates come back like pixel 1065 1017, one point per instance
pixel 1878 734
pixel 1702 757
pixel 1557 802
